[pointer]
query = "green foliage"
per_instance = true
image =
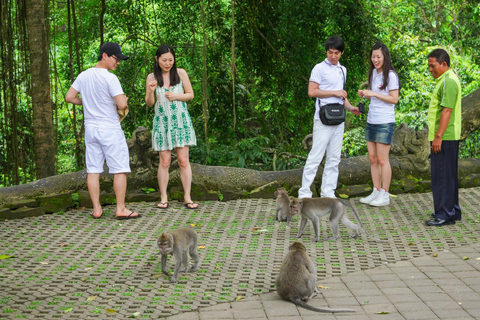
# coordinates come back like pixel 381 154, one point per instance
pixel 354 142
pixel 470 147
pixel 148 190
pixel 75 200
pixel 277 43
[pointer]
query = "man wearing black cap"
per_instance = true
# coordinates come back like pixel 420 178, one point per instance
pixel 101 96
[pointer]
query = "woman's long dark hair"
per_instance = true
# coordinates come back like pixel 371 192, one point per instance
pixel 157 72
pixel 387 65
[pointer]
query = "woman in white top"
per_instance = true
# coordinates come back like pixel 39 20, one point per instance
pixel 383 90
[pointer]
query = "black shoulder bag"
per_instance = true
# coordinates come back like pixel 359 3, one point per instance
pixel 333 114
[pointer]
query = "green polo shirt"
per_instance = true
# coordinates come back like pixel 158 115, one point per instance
pixel 446 94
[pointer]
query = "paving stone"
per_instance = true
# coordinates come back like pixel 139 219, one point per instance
pixel 61 260
pixel 248 313
pixel 366 292
pixel 420 315
pixel 411 306
pixel 283 317
pixel 365 299
pixel 406 297
pixel 452 314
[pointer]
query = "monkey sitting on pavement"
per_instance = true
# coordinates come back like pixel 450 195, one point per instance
pixel 283 206
pixel 178 243
pixel 297 278
pixel 314 208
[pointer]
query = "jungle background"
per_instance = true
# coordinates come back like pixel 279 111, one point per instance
pixel 249 62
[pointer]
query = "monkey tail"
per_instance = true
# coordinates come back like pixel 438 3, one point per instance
pixel 302 304
pixel 349 205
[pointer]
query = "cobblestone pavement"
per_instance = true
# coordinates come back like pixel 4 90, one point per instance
pixel 70 266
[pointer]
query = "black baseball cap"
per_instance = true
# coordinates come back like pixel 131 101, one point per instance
pixel 112 49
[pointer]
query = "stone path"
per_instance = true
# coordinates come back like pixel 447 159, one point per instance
pixel 69 266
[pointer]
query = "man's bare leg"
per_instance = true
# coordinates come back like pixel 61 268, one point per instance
pixel 120 188
pixel 93 184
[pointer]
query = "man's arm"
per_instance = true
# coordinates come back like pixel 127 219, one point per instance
pixel 121 101
pixel 72 97
pixel 315 92
pixel 442 126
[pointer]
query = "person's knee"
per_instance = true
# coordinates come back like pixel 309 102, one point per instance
pixel 183 162
pixel 373 159
pixel 165 163
pixel 383 161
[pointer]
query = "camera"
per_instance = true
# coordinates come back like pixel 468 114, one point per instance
pixel 361 107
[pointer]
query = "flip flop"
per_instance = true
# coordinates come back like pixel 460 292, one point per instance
pixel 162 203
pixel 129 216
pixel 94 216
pixel 189 204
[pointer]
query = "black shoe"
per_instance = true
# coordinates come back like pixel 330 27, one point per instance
pixel 439 222
pixel 456 218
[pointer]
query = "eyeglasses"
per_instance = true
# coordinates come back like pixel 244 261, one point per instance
pixel 116 59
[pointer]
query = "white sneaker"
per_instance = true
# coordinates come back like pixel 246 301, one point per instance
pixel 383 199
pixel 371 197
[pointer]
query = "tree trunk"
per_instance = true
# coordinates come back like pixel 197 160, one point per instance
pixel 205 79
pixel 232 65
pixel 9 126
pixel 470 113
pixel 102 15
pixel 40 88
pixel 78 133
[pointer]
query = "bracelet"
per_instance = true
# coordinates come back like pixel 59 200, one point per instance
pixel 348 108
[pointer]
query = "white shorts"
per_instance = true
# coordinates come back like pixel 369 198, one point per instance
pixel 106 143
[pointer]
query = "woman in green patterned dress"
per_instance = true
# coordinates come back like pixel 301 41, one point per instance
pixel 167 89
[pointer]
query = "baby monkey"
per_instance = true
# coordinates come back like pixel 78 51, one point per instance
pixel 283 206
pixel 297 278
pixel 178 243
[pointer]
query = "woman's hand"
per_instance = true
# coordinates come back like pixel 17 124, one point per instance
pixel 152 85
pixel 172 96
pixel 368 94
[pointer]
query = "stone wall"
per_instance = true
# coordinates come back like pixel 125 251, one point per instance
pixel 409 160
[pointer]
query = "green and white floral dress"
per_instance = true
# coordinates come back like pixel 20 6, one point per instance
pixel 172 125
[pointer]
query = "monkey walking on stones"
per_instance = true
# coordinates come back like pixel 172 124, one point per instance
pixel 178 243
pixel 296 281
pixel 314 208
pixel 283 206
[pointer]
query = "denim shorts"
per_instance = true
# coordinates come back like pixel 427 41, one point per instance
pixel 380 133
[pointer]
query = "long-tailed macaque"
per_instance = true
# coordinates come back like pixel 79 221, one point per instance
pixel 283 206
pixel 314 208
pixel 178 243
pixel 296 281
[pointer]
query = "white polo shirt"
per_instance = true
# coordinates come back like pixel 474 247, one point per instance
pixel 330 78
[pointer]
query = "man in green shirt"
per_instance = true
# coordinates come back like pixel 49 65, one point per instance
pixel 444 127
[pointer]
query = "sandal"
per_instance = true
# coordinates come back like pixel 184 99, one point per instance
pixel 129 216
pixel 163 204
pixel 189 205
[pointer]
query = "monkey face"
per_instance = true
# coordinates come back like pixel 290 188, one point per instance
pixel 164 247
pixel 164 244
pixel 296 206
pixel 280 192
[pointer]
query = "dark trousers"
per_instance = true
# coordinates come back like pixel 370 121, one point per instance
pixel 444 167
